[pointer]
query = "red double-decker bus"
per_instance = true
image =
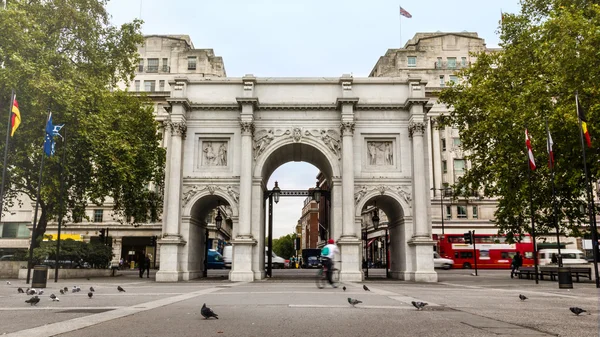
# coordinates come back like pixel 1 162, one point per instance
pixel 493 252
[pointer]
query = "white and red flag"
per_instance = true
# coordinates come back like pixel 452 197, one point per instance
pixel 405 13
pixel 529 151
pixel 550 152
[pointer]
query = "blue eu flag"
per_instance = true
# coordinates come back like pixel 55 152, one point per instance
pixel 51 131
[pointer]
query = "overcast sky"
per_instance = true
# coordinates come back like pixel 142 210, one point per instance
pixel 307 38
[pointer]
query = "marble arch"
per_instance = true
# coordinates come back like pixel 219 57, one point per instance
pixel 225 137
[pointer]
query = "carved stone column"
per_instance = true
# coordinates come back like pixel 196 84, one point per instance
pixel 420 190
pixel 178 132
pixel 166 140
pixel 436 158
pixel 246 180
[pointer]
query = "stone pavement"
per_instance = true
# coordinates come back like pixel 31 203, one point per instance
pixel 291 305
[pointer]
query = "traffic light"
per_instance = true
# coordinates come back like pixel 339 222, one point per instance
pixel 102 235
pixel 468 238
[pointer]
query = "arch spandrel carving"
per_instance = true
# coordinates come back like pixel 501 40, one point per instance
pixel 192 193
pixel 401 193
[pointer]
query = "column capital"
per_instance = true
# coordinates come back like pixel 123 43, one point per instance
pixel 417 128
pixel 178 129
pixel 347 128
pixel 247 128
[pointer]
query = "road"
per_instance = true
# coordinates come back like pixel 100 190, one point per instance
pixel 289 304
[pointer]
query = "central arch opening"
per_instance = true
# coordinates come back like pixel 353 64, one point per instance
pixel 300 223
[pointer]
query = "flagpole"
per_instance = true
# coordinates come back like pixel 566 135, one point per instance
pixel 61 202
pixel 535 259
pixel 12 97
pixel 400 19
pixel 37 203
pixel 554 219
pixel 590 198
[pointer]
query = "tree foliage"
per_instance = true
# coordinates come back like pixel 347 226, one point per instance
pixel 73 253
pixel 64 56
pixel 284 246
pixel 549 52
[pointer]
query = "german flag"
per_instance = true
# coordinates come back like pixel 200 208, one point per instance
pixel 15 118
pixel 583 119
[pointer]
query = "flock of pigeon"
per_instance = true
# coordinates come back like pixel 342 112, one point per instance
pixel 576 310
pixel 36 293
pixel 207 312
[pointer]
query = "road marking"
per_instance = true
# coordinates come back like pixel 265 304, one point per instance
pixel 359 306
pixel 523 291
pixel 60 308
pixel 89 320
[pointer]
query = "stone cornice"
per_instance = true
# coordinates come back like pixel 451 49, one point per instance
pixel 346 100
pixel 247 100
pixel 180 100
pixel 391 106
pixel 320 107
pixel 424 101
pixel 225 106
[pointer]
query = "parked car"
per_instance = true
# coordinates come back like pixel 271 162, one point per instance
pixel 313 262
pixel 215 260
pixel 441 262
pixel 278 262
pixel 227 255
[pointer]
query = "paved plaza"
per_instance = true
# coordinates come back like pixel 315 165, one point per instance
pixel 291 305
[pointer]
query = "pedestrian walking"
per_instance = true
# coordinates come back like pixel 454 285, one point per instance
pixel 517 262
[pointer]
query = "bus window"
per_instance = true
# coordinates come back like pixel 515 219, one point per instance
pixel 466 255
pixel 529 255
pixel 456 255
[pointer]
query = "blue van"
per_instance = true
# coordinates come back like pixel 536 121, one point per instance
pixel 215 260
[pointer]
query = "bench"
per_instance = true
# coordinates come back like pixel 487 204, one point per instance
pixel 552 272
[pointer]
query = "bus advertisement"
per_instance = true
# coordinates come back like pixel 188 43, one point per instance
pixel 493 251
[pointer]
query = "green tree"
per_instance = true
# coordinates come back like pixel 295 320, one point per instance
pixel 65 57
pixel 549 51
pixel 284 246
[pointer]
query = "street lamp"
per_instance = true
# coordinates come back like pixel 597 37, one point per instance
pixel 375 218
pixel 276 193
pixel 317 193
pixel 218 220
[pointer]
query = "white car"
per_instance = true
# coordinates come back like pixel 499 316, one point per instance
pixel 440 262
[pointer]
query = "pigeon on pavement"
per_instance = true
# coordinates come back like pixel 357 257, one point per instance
pixel 20 290
pixel 344 288
pixel 522 297
pixel 207 313
pixel 52 296
pixel 365 288
pixel 419 305
pixel 120 289
pixel 31 292
pixel 66 289
pixel 92 289
pixel 8 282
pixel 62 292
pixel 41 292
pixel 353 301
pixel 90 294
pixel 577 310
pixel 33 301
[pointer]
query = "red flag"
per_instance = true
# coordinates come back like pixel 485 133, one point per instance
pixel 15 118
pixel 583 119
pixel 529 151
pixel 405 13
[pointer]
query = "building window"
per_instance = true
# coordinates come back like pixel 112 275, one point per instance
pixel 137 85
pixel 452 62
pixel 475 214
pixel 165 65
pixel 412 61
pixel 149 85
pixel 463 61
pixel 14 230
pixel 141 65
pixel 98 215
pixel 444 166
pixel 461 212
pixel 161 85
pixel 448 212
pixel 191 62
pixel 456 142
pixel 152 65
pixel 438 64
pixel 459 166
pixel 454 78
pixel 443 144
pixel 442 81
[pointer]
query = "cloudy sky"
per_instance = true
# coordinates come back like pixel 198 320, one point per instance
pixel 307 38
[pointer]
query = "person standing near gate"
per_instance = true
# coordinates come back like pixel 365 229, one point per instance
pixel 517 262
pixel 141 266
pixel 147 266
